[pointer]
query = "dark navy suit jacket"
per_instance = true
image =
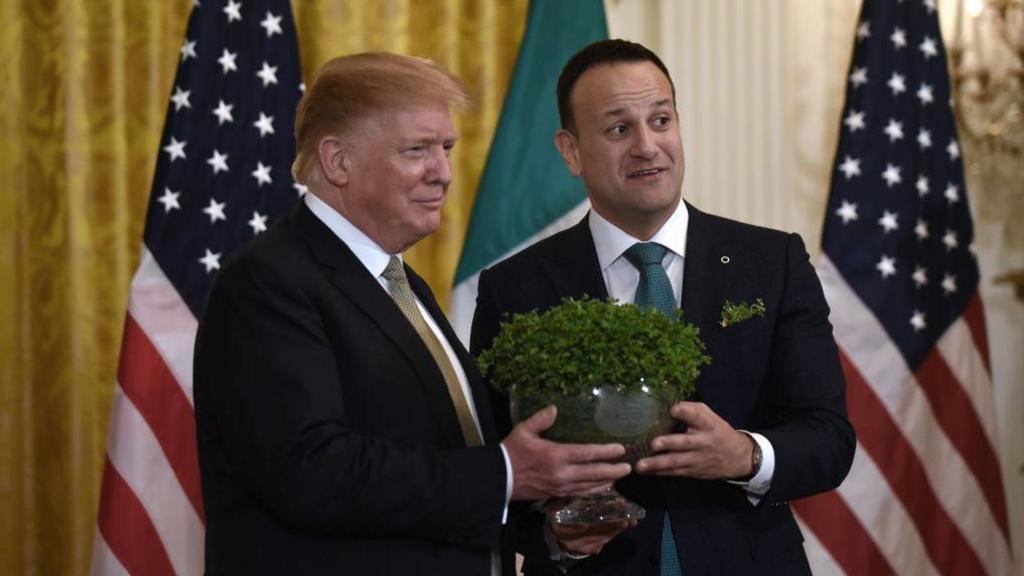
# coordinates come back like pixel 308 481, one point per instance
pixel 778 375
pixel 328 443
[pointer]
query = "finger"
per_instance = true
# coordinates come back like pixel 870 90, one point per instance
pixel 541 420
pixel 599 472
pixel 674 443
pixel 594 452
pixel 695 414
pixel 675 463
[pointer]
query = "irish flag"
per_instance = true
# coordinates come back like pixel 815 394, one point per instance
pixel 526 192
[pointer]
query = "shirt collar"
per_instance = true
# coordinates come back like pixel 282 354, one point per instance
pixel 611 241
pixel 373 257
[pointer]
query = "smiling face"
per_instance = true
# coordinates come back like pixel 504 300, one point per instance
pixel 627 146
pixel 397 170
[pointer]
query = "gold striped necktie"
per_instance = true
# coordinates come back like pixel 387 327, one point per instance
pixel 401 293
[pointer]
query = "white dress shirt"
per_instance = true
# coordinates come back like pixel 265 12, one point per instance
pixel 375 259
pixel 621 278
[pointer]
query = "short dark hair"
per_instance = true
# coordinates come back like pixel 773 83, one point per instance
pixel 602 52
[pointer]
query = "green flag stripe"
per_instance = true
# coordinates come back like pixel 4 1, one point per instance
pixel 525 185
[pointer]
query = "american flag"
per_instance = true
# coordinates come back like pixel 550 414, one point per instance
pixel 222 176
pixel 925 494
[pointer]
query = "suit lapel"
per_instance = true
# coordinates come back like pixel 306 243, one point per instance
pixel 476 386
pixel 348 275
pixel 574 269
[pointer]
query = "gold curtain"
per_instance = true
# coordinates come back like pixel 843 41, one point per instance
pixel 83 92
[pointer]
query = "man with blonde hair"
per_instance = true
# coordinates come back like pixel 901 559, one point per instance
pixel 342 427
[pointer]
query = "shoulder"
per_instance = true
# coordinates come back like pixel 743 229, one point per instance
pixel 537 256
pixel 761 241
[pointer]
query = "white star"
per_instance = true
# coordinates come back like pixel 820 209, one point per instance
pixel 952 194
pixel 864 30
pixel 888 221
pixel 899 38
pixel 894 130
pixel 949 239
pixel 924 94
pixel 930 5
pixel 262 175
pixel 859 76
pixel 854 120
pixel 211 260
pixel 233 10
pixel 897 83
pixel 223 112
pixel 928 47
pixel 850 167
pixel 920 276
pixel 227 61
pixel 949 284
pixel 891 175
pixel 218 161
pixel 188 50
pixel 887 266
pixel 258 223
pixel 216 211
pixel 921 229
pixel 300 188
pixel 917 321
pixel 268 74
pixel 953 150
pixel 180 98
pixel 924 139
pixel 169 200
pixel 265 124
pixel 176 149
pixel 272 24
pixel 847 212
pixel 922 186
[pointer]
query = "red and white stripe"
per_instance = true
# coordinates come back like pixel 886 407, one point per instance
pixel 151 511
pixel 925 493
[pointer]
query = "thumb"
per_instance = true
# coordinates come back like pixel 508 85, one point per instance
pixel 541 420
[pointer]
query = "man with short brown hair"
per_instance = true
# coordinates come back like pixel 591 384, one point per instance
pixel 342 427
pixel 769 423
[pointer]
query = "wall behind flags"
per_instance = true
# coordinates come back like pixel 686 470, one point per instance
pixel 83 91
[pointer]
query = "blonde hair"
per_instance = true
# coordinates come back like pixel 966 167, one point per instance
pixel 348 88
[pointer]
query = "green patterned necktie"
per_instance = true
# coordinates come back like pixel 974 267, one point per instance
pixel 401 293
pixel 655 291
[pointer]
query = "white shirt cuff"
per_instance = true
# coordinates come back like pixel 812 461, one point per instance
pixel 508 483
pixel 759 485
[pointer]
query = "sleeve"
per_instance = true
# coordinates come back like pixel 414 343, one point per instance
pixel 807 424
pixel 274 384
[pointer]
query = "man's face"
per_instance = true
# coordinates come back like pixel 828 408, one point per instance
pixel 399 172
pixel 627 145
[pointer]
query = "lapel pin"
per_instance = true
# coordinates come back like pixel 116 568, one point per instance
pixel 725 259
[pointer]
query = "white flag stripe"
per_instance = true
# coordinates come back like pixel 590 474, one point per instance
pixel 463 297
pixel 821 561
pixel 954 483
pixel 136 455
pixel 957 348
pixel 103 560
pixel 869 495
pixel 161 313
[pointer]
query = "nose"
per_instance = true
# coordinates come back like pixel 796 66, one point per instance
pixel 643 144
pixel 440 168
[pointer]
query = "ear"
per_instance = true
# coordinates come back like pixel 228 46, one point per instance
pixel 334 161
pixel 568 147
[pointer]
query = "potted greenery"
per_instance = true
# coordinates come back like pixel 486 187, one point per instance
pixel 613 370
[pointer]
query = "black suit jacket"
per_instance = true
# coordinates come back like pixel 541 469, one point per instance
pixel 778 375
pixel 328 443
